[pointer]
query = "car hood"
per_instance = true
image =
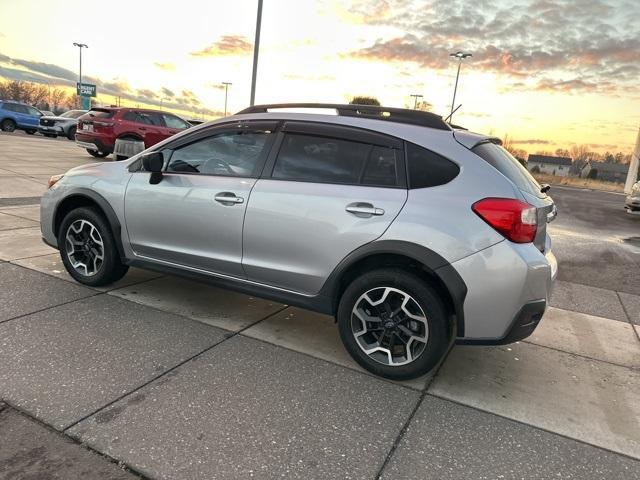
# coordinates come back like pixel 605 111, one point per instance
pixel 59 119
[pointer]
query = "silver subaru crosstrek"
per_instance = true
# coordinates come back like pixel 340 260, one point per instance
pixel 412 234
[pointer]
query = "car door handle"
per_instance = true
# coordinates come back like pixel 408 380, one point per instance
pixel 364 210
pixel 228 198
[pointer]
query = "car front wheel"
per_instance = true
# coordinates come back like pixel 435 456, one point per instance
pixel 393 324
pixel 7 125
pixel 88 248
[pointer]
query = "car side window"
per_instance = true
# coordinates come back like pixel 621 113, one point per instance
pixel 129 116
pixel 172 121
pixel 21 109
pixel 309 158
pixel 233 153
pixel 33 111
pixel 428 169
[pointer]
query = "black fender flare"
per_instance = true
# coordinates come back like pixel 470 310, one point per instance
pixel 435 263
pixel 106 208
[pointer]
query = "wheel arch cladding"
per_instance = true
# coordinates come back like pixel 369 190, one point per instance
pixel 427 264
pixel 88 198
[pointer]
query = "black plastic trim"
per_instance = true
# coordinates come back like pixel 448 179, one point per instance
pixel 112 218
pixel 316 303
pixel 353 134
pixel 522 325
pixel 435 263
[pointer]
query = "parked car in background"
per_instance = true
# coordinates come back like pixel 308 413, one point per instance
pixel 632 202
pixel 413 234
pixel 98 129
pixel 62 125
pixel 18 116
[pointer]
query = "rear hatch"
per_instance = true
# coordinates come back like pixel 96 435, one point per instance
pixel 96 120
pixel 532 191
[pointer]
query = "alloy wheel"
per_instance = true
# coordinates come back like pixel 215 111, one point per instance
pixel 84 247
pixel 389 326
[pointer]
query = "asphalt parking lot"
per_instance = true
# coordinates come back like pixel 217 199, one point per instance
pixel 161 377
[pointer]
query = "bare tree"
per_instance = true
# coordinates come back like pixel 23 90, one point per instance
pixel 58 98
pixel 364 100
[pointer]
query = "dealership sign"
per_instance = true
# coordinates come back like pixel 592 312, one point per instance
pixel 86 89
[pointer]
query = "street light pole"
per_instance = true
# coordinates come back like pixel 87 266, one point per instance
pixel 460 56
pixel 256 48
pixel 80 47
pixel 415 96
pixel 226 90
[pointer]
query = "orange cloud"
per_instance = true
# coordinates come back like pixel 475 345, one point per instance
pixel 227 45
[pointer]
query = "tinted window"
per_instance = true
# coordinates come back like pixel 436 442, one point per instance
pixel 428 169
pixel 506 164
pixel 9 106
pixel 21 109
pixel 382 167
pixel 322 160
pixel 233 153
pixel 172 121
pixel 34 111
pixel 101 113
pixel 129 116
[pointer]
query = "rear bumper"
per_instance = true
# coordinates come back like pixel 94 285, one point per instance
pixel 523 325
pixel 93 143
pixel 509 286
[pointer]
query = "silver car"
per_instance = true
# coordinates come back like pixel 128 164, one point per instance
pixel 61 126
pixel 411 234
pixel 632 202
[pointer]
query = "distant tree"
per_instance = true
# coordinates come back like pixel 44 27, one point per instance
pixel 58 98
pixel 520 153
pixel 593 173
pixel 364 100
pixel 562 152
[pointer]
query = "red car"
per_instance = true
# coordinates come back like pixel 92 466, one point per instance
pixel 98 129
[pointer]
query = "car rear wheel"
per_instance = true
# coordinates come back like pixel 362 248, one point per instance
pixel 88 248
pixel 393 324
pixel 71 134
pixel 97 153
pixel 7 125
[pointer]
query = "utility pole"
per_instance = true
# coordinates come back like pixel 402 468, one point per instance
pixel 415 96
pixel 460 56
pixel 256 48
pixel 80 47
pixel 226 90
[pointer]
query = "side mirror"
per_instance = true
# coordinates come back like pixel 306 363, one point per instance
pixel 153 162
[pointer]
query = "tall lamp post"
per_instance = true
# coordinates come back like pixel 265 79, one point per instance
pixel 415 96
pixel 460 56
pixel 80 47
pixel 226 91
pixel 256 48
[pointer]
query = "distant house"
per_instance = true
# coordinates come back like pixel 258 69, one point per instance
pixel 549 164
pixel 609 172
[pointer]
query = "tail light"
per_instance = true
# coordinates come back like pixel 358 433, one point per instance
pixel 516 220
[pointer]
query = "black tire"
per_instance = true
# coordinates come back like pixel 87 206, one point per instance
pixel 71 134
pixel 50 135
pixel 111 268
pixel 7 125
pixel 438 339
pixel 30 131
pixel 96 153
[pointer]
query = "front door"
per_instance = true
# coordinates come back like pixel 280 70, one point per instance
pixel 194 216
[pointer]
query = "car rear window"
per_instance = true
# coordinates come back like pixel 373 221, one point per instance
pixel 101 113
pixel 505 163
pixel 428 169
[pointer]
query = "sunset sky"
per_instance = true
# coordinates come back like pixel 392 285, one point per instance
pixel 549 73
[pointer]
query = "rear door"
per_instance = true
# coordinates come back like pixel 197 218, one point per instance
pixel 325 192
pixel 194 216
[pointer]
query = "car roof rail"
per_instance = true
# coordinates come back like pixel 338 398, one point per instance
pixel 397 115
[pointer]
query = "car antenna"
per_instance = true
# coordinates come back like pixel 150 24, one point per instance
pixel 451 114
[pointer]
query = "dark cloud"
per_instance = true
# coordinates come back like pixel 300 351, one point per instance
pixel 145 93
pixel 117 86
pixel 167 93
pixel 227 45
pixel 520 39
pixel 47 69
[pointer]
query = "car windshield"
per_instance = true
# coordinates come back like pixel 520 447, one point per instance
pixel 505 163
pixel 73 113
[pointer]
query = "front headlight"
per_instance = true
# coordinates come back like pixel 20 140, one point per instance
pixel 54 179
